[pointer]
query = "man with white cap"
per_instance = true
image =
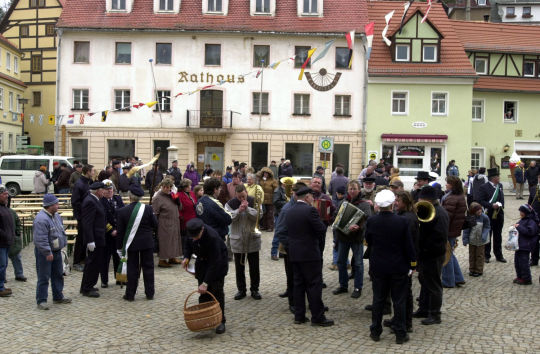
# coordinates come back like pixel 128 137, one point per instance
pixel 49 239
pixel 391 262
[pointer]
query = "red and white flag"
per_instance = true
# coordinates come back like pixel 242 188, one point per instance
pixel 369 29
pixel 427 12
pixel 387 18
pixel 350 43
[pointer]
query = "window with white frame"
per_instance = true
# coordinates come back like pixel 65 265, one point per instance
pixel 510 11
pixel 300 56
pixel 123 53
pixel 15 65
pixel 476 156
pixel 260 103
pixel 165 5
pixel 342 57
pixel 122 100
pixel 400 103
pixel 10 98
pixel 81 52
pixel 481 2
pixel 118 5
pixel 80 99
pixel 8 61
pixel 480 65
pixel 526 12
pixel 164 101
pixel 478 110
pixel 261 56
pixel 301 104
pixel 403 52
pixel 262 6
pixel 215 6
pixel 1 98
pixel 212 54
pixel 439 103
pixel 529 68
pixel 510 111
pixel 163 53
pixel 429 53
pixel 309 7
pixel 342 105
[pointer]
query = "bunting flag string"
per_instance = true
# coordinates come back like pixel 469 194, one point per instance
pixel 387 18
pixel 427 12
pixel 309 54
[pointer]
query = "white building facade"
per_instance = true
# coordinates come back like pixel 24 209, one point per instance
pixel 229 107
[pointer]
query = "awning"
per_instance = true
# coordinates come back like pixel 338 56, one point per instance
pixel 414 138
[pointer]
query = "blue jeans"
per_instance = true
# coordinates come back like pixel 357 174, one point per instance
pixel 275 241
pixel 335 249
pixel 17 265
pixel 63 191
pixel 46 270
pixel 451 273
pixel 3 265
pixel 343 255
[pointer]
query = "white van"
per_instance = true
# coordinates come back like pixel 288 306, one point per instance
pixel 17 171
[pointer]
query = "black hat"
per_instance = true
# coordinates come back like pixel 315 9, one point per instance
pixel 341 190
pixel 379 170
pixel 319 168
pixel 115 162
pixel 126 167
pixel 428 193
pixel 304 191
pixel 194 226
pixel 96 185
pixel 423 175
pixel 175 161
pixel 368 179
pixel 136 190
pixel 492 172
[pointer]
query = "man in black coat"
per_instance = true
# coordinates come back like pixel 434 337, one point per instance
pixel 150 182
pixel 391 262
pixel 305 233
pixel 212 263
pixel 111 203
pixel 432 239
pixel 422 179
pixel 175 172
pixel 140 253
pixel 94 222
pixel 211 211
pixel 531 174
pixel 80 190
pixel 491 197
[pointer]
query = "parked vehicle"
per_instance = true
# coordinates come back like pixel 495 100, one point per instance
pixel 17 171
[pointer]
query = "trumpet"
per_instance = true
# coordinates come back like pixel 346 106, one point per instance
pixel 425 211
pixel 136 169
pixel 288 184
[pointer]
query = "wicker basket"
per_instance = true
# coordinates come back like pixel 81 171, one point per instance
pixel 203 316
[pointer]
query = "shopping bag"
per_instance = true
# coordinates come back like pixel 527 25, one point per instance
pixel 513 237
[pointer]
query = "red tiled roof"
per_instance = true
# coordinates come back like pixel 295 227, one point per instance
pixel 498 37
pixel 453 60
pixel 507 84
pixel 12 79
pixel 339 16
pixel 8 43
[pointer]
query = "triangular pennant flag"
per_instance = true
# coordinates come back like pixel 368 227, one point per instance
pixel 369 29
pixel 275 65
pixel 32 118
pixel 51 119
pixel 81 119
pixel 427 12
pixel 309 54
pixel 91 114
pixel 104 115
pixel 70 120
pixel 41 119
pixel 178 94
pixel 321 55
pixel 258 74
pixel 151 104
pixel 207 87
pixel 387 18
pixel 406 7
pixel 71 116
pixel 350 43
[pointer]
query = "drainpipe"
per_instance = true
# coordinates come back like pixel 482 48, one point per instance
pixel 364 104
pixel 59 32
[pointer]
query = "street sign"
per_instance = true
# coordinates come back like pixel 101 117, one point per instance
pixel 372 155
pixel 326 144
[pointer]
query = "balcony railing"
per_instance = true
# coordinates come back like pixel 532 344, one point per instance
pixel 209 119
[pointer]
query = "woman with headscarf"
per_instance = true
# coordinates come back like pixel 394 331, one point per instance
pixel 191 174
pixel 167 208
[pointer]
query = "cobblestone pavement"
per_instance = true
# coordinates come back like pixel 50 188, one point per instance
pixel 488 314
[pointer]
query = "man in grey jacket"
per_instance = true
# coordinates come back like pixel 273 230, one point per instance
pixel 49 239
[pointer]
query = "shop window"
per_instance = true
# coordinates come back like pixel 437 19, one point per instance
pixel 301 104
pixel 301 53
pixel 341 156
pixel 342 58
pixel 163 53
pixel 259 155
pixel 123 53
pixel 480 65
pixel 439 103
pixel 122 100
pixel 261 56
pixel 435 160
pixel 81 52
pixel 510 111
pixel 260 103
pixel 212 54
pixel 301 157
pixel 478 110
pixel 120 148
pixel 342 105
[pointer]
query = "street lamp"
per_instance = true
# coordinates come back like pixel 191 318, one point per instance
pixel 22 101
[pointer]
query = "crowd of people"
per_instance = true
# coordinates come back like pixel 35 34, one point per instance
pixel 221 219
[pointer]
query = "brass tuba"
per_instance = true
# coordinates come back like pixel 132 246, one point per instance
pixel 288 184
pixel 259 197
pixel 425 211
pixel 136 169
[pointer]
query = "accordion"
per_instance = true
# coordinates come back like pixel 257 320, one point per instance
pixel 323 206
pixel 347 216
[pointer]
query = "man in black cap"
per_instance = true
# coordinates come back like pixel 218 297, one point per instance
pixel 212 263
pixel 175 172
pixel 305 233
pixel 80 190
pixel 422 179
pixel 135 242
pixel 491 197
pixel 432 240
pixel 93 221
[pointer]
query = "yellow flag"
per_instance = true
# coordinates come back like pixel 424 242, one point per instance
pixel 310 53
pixel 52 119
pixel 151 104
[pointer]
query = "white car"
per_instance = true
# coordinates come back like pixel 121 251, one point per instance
pixel 17 171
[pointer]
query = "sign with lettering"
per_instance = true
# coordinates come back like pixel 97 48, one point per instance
pixel 419 125
pixel 207 78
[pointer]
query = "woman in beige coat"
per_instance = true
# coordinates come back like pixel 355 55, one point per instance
pixel 167 212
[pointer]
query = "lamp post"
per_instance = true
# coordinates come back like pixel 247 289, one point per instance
pixel 22 101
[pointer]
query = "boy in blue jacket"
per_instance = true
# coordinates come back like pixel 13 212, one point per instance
pixel 477 237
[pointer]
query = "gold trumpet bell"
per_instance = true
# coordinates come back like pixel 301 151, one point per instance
pixel 425 211
pixel 288 184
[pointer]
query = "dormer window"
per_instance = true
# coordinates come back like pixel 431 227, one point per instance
pixel 310 7
pixel 510 12
pixel 481 2
pixel 215 6
pixel 526 12
pixel 165 5
pixel 118 5
pixel 262 6
pixel 429 53
pixel 403 52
